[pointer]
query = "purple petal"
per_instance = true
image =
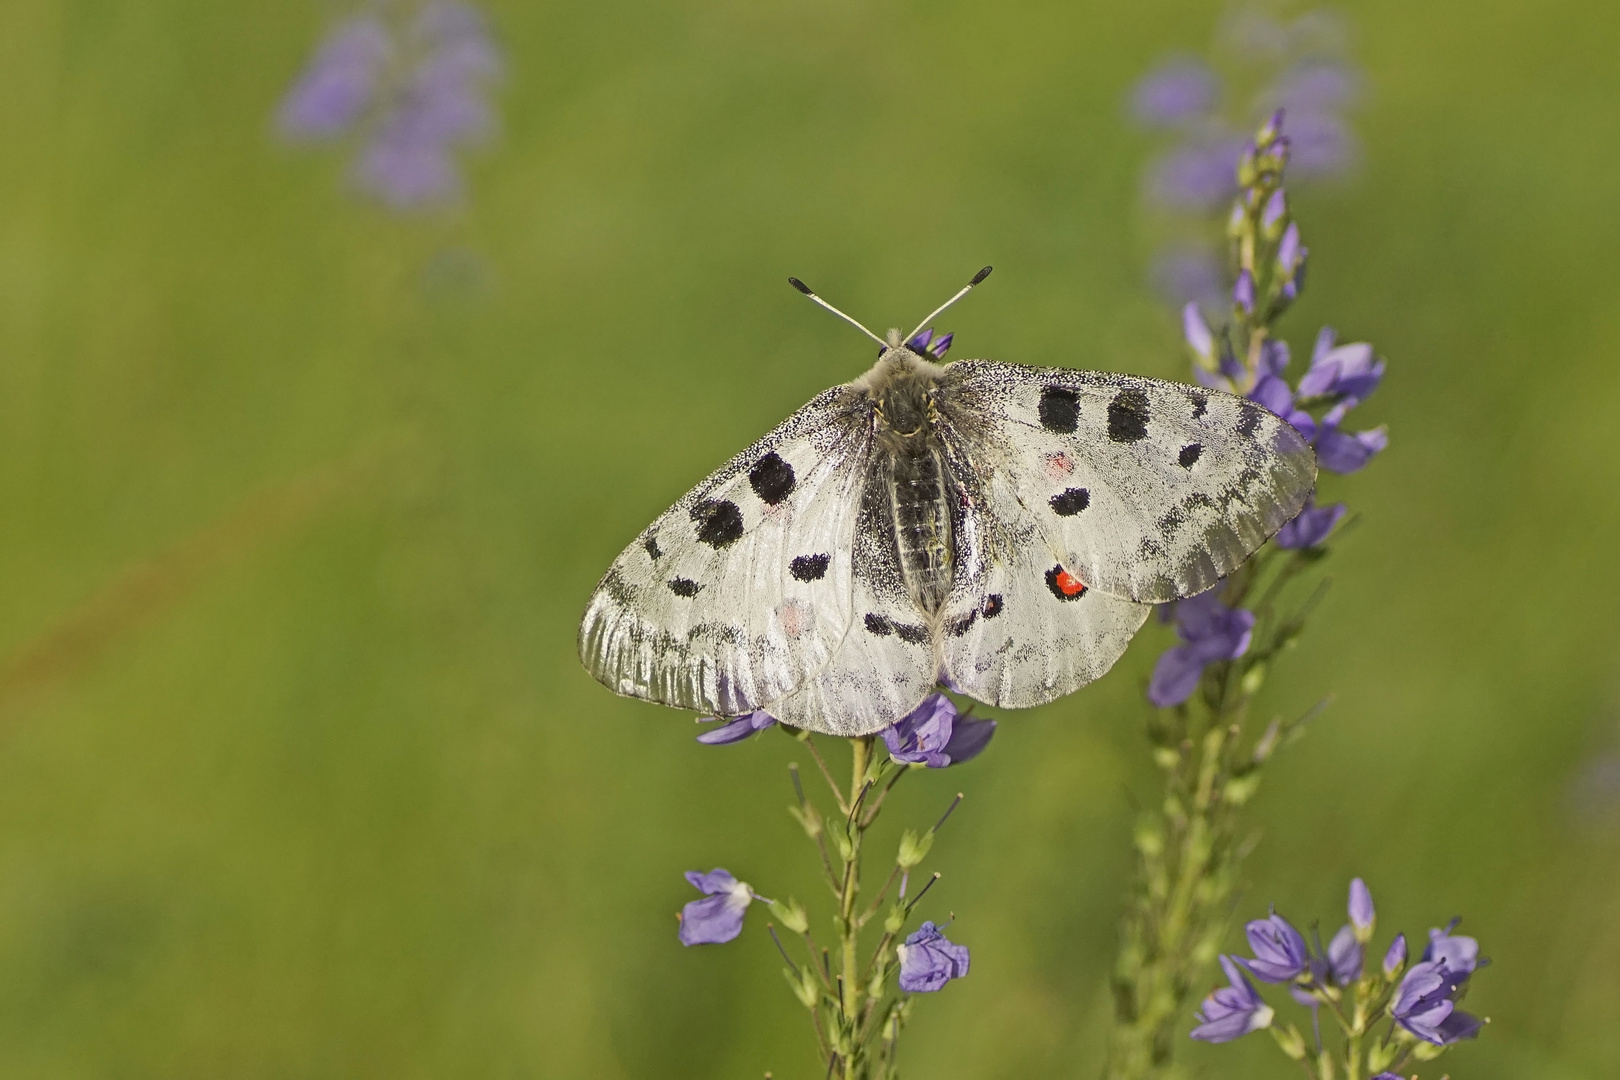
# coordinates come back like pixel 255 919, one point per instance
pixel 1197 177
pixel 1396 956
pixel 969 737
pixel 713 920
pixel 1276 206
pixel 1279 950
pixel 406 172
pixel 1288 249
pixel 1196 331
pixel 1344 956
pixel 737 729
pixel 1310 527
pixel 1175 91
pixel 1274 394
pixel 1175 677
pixel 928 960
pixel 940 345
pixel 919 342
pixel 921 735
pixel 1243 292
pixel 1459 1025
pixel 1339 452
pixel 715 881
pixel 1460 954
pixel 1274 357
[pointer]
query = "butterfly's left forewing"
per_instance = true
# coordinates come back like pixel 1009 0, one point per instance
pixel 1150 490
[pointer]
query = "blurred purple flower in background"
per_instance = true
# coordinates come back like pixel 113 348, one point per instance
pixel 1179 89
pixel 929 960
pixel 1209 631
pixel 410 94
pixel 1232 1011
pixel 718 917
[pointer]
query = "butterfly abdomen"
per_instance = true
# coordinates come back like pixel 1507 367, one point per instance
pixel 922 521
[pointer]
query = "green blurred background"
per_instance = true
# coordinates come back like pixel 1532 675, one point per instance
pixel 299 774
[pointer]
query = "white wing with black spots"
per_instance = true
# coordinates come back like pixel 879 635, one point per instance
pixel 742 590
pixel 1152 490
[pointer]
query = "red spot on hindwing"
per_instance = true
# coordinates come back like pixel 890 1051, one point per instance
pixel 1056 466
pixel 1064 585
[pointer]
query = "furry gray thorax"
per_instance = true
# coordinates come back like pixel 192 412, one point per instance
pixel 911 471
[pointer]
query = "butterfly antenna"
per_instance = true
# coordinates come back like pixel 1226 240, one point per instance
pixel 980 276
pixel 802 287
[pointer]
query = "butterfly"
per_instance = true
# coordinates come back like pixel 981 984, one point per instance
pixel 997 529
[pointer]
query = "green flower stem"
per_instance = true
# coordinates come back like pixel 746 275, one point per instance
pixel 849 930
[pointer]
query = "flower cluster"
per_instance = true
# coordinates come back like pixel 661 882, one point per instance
pixel 1298 65
pixel 1419 1002
pixel 409 93
pixel 1243 356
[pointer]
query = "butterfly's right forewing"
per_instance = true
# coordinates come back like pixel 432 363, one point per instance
pixel 741 591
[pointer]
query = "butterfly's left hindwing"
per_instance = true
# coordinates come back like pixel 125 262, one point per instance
pixel 1150 490
pixel 741 590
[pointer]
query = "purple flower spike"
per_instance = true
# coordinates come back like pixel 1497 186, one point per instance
pixel 1232 1011
pixel 1176 91
pixel 1309 528
pixel 718 917
pixel 1342 452
pixel 1210 632
pixel 1280 953
pixel 340 83
pixel 1346 371
pixel 929 960
pixel 1362 912
pixel 1344 957
pixel 1395 958
pixel 935 735
pixel 1243 292
pixel 737 729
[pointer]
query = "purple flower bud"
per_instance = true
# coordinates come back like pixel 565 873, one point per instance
pixel 736 730
pixel 1288 249
pixel 1276 206
pixel 1362 912
pixel 1233 1010
pixel 1344 957
pixel 1270 131
pixel 718 917
pixel 1280 953
pixel 929 960
pixel 1309 528
pixel 1243 292
pixel 1196 331
pixel 1395 958
pixel 1175 91
pixel 934 734
pixel 1210 632
pixel 1295 282
pixel 919 342
pixel 940 345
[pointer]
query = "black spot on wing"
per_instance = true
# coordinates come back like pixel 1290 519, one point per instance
pixel 992 605
pixel 684 587
pixel 1070 502
pixel 1059 410
pixel 809 567
pixel 651 544
pixel 1189 455
pixel 882 626
pixel 877 625
pixel 961 625
pixel 718 522
pixel 771 478
pixel 911 635
pixel 1249 417
pixel 1171 520
pixel 1128 416
pixel 1200 404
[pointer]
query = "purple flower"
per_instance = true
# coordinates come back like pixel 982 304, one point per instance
pixel 1395 958
pixel 1310 526
pixel 1425 1004
pixel 920 343
pixel 929 960
pixel 1389 1076
pixel 1459 954
pixel 936 735
pixel 1342 452
pixel 1272 391
pixel 1175 91
pixel 1362 912
pixel 340 83
pixel 1320 144
pixel 1317 86
pixel 1346 371
pixel 1199 176
pixel 1276 206
pixel 1210 631
pixel 735 730
pixel 1280 952
pixel 1344 957
pixel 718 917
pixel 1232 1011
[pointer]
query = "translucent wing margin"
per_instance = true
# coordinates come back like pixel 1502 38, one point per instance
pixel 1151 490
pixel 741 590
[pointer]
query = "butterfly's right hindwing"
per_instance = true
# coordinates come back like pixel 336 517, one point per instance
pixel 741 590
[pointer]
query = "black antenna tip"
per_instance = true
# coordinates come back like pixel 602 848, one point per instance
pixel 981 275
pixel 801 286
